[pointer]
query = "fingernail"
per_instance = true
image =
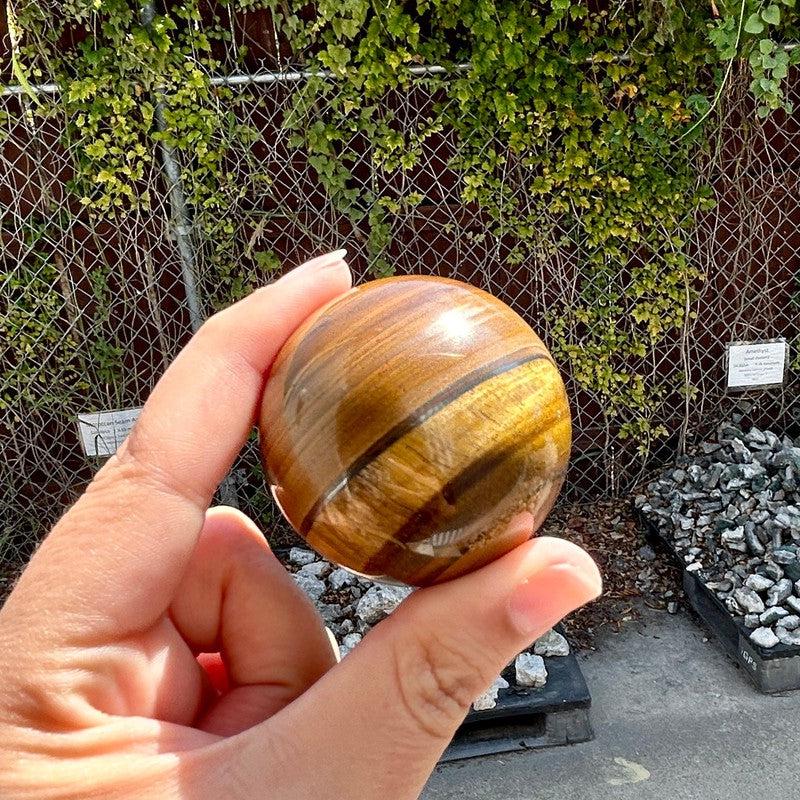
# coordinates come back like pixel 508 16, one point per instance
pixel 318 264
pixel 334 644
pixel 543 599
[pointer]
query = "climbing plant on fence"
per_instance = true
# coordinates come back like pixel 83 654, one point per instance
pixel 602 112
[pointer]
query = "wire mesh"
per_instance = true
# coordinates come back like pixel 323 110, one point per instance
pixel 94 309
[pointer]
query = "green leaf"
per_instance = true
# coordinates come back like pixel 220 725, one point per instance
pixel 698 103
pixel 766 46
pixel 768 85
pixel 754 24
pixel 771 14
pixel 267 260
pixel 723 37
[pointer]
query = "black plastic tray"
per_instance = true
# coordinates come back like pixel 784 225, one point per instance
pixel 526 718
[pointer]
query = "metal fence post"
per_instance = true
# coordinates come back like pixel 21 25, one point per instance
pixel 184 233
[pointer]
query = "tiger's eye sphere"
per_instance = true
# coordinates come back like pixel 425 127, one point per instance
pixel 415 428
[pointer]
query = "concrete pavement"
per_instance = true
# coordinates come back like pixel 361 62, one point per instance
pixel 674 719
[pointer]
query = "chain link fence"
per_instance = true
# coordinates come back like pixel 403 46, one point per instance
pixel 92 310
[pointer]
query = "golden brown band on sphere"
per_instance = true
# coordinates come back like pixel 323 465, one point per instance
pixel 417 417
pixel 419 510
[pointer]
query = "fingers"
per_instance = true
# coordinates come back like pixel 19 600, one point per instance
pixel 237 599
pixel 375 725
pixel 126 542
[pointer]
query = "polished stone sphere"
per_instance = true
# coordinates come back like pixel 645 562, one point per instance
pixel 414 429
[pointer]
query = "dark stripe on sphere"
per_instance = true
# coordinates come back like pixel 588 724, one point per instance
pixel 439 513
pixel 465 384
pixel 443 506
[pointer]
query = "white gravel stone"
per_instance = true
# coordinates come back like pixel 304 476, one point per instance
pixel 348 643
pixel 779 592
pixel 330 612
pixel 789 623
pixel 758 583
pixel 318 569
pixel 312 586
pixel 734 539
pixel 530 670
pixel 551 644
pixel 749 600
pixel 772 615
pixel 301 557
pixel 489 698
pixel 340 578
pixel 788 637
pixel 794 604
pixel 379 601
pixel 773 570
pixel 346 626
pixel 764 637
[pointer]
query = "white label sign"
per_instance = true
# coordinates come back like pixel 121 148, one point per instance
pixel 102 432
pixel 757 364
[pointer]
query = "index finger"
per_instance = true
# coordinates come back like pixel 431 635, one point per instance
pixel 118 555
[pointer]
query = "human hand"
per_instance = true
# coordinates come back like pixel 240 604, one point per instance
pixel 102 694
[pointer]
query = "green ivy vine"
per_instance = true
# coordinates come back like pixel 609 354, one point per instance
pixel 43 359
pixel 599 112
pixel 133 85
pixel 599 115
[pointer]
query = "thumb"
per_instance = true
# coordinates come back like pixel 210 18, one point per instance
pixel 375 725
